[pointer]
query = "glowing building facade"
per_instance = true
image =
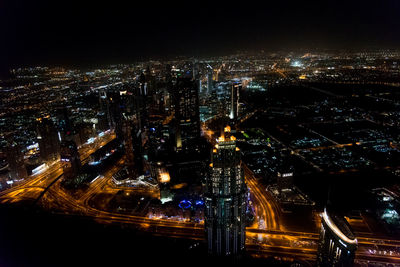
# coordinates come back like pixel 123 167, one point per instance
pixel 337 244
pixel 234 102
pixel 225 200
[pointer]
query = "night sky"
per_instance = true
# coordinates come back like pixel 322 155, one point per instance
pixel 102 32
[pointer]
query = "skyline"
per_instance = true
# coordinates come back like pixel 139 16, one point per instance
pixel 200 133
pixel 138 147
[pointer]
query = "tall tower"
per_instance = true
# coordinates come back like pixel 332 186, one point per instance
pixel 65 124
pixel 209 79
pixel 226 199
pixel 234 103
pixel 15 159
pixel 337 243
pixel 105 107
pixel 140 95
pixel 69 157
pixel 196 72
pixel 187 115
pixel 127 130
pixel 48 139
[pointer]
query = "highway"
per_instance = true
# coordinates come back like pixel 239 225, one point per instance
pixel 266 237
pixel 34 185
pixel 271 241
pixel 267 214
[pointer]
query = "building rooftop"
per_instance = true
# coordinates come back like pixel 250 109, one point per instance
pixel 339 226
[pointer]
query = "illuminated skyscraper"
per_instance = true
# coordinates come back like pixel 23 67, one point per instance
pixel 15 159
pixel 234 103
pixel 196 72
pixel 187 115
pixel 140 94
pixel 337 243
pixel 69 157
pixel 209 79
pixel 127 130
pixel 102 122
pixel 105 107
pixel 226 200
pixel 48 139
pixel 64 124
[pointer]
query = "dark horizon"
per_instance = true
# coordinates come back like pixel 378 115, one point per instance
pixel 93 33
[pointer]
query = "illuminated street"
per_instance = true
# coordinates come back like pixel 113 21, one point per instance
pixel 158 133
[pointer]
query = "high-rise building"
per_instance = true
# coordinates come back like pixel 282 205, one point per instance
pixel 48 139
pixel 234 101
pixel 127 130
pixel 140 95
pixel 102 122
pixel 226 200
pixel 196 72
pixel 209 79
pixel 15 159
pixel 168 89
pixel 121 104
pixel 337 243
pixel 65 124
pixel 187 114
pixel 105 107
pixel 69 157
pixel 150 82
